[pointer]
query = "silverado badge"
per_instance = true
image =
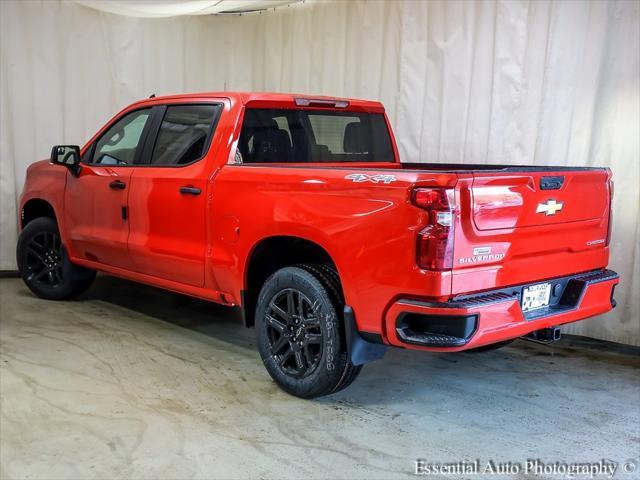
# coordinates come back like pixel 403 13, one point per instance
pixel 550 207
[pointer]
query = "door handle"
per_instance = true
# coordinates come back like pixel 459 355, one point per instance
pixel 189 190
pixel 117 185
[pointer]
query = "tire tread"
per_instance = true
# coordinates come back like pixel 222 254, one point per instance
pixel 329 277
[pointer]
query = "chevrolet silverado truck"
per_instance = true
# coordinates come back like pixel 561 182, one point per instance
pixel 298 210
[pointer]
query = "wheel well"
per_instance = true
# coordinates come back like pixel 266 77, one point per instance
pixel 36 208
pixel 271 255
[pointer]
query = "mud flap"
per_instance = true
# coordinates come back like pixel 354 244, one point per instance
pixel 360 351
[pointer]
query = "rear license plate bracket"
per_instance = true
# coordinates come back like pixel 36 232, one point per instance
pixel 535 296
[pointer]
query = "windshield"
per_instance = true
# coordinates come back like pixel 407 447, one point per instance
pixel 295 136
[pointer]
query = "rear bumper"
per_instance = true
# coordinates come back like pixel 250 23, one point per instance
pixel 476 320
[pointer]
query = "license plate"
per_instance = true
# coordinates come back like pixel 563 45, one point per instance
pixel 535 296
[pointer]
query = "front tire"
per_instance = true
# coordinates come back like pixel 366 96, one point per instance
pixel 44 265
pixel 300 332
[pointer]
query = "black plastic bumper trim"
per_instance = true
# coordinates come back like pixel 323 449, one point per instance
pixel 515 292
pixel 436 330
pixel 429 339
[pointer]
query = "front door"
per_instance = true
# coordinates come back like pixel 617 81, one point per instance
pixel 168 196
pixel 96 201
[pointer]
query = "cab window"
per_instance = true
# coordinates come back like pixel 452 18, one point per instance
pixel 299 135
pixel 121 142
pixel 184 134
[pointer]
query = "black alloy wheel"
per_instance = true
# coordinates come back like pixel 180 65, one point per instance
pixel 44 259
pixel 44 265
pixel 294 333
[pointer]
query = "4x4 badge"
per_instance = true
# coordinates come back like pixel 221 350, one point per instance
pixel 363 177
pixel 550 207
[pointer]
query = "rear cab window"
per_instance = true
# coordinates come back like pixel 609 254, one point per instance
pixel 313 136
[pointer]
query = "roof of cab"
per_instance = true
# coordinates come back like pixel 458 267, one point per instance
pixel 247 97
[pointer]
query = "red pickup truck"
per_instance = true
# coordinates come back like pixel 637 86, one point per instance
pixel 298 210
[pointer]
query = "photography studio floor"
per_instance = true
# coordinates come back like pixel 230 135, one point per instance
pixel 131 381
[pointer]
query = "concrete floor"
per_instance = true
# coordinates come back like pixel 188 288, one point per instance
pixel 134 382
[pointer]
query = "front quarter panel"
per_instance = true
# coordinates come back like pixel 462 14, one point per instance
pixel 45 181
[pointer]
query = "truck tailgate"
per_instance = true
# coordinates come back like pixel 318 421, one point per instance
pixel 532 199
pixel 519 227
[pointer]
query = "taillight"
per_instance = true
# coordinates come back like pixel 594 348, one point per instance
pixel 435 241
pixel 610 224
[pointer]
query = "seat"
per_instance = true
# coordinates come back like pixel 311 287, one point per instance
pixel 356 139
pixel 271 145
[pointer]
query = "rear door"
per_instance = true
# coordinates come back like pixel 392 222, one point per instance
pixel 519 227
pixel 168 197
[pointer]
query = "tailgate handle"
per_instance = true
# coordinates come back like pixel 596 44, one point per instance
pixel 551 183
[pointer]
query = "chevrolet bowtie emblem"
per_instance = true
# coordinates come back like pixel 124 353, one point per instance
pixel 550 207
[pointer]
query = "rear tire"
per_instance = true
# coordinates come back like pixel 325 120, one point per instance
pixel 300 332
pixel 331 279
pixel 44 265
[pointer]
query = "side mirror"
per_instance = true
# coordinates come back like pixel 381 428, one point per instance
pixel 67 156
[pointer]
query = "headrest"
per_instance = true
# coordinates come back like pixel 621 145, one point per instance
pixel 256 119
pixel 272 145
pixel 355 138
